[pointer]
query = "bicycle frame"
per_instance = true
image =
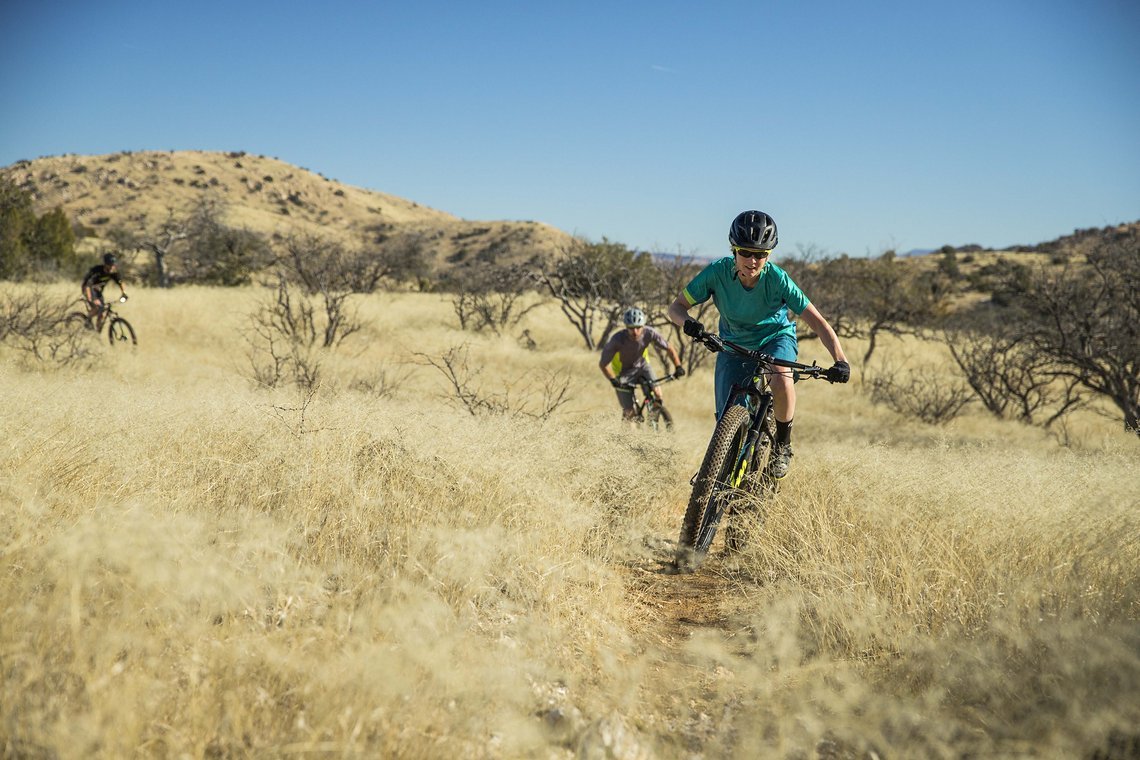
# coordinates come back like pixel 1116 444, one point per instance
pixel 644 407
pixel 105 311
pixel 119 330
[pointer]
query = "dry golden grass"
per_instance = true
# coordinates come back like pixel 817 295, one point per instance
pixel 193 567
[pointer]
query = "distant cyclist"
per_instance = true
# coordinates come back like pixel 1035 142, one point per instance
pixel 753 296
pixel 625 360
pixel 97 277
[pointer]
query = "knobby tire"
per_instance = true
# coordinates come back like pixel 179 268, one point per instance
pixel 711 488
pixel 120 331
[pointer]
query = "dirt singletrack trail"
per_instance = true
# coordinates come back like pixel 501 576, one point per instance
pixel 679 619
pixel 674 605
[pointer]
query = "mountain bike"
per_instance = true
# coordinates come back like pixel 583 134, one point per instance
pixel 647 410
pixel 734 477
pixel 119 330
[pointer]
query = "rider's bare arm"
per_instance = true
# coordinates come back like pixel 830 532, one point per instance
pixel 825 332
pixel 679 311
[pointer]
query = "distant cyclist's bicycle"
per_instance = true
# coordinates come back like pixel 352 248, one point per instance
pixel 647 410
pixel 734 476
pixel 119 330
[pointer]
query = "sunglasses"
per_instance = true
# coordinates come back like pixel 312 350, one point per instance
pixel 751 253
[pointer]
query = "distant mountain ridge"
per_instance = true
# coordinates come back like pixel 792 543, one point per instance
pixel 136 191
pixel 1077 242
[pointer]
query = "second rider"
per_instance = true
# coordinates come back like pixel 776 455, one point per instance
pixel 624 359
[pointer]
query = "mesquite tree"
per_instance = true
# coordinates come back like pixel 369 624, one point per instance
pixel 1086 318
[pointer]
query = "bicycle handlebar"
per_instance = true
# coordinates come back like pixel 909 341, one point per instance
pixel 715 343
pixel 654 384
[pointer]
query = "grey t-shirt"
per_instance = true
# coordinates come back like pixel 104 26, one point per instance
pixel 624 353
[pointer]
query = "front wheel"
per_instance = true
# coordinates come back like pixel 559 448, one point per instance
pixel 713 486
pixel 120 331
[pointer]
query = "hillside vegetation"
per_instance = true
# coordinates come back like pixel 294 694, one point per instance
pixel 196 566
pixel 136 192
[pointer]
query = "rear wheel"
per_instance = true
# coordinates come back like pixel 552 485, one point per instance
pixel 712 487
pixel 120 331
pixel 77 320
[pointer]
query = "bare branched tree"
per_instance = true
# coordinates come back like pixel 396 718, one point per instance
pixel 675 273
pixel 160 242
pixel 195 244
pixel 869 298
pixel 1011 378
pixel 1086 318
pixel 315 281
pixel 536 398
pixel 924 393
pixel 327 270
pixel 37 325
pixel 595 282
pixel 492 297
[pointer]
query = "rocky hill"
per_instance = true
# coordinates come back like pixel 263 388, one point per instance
pixel 136 191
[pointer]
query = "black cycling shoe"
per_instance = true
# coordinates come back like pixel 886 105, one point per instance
pixel 781 461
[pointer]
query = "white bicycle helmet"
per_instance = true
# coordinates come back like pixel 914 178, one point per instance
pixel 634 317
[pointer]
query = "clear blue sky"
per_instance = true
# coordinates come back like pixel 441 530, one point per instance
pixel 859 126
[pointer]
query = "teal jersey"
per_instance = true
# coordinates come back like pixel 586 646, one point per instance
pixel 748 316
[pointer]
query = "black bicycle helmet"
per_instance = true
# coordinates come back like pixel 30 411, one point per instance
pixel 753 229
pixel 109 259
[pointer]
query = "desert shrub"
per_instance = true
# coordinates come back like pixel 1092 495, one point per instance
pixel 924 393
pixel 285 334
pixel 534 396
pixel 491 297
pixel 36 325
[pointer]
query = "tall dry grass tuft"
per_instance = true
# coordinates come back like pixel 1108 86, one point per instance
pixel 192 566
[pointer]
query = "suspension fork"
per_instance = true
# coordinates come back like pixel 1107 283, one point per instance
pixel 744 462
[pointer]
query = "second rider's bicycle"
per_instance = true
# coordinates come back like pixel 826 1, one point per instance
pixel 119 330
pixel 647 410
pixel 734 477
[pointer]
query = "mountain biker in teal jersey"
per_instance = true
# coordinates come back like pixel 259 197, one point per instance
pixel 753 297
pixel 624 361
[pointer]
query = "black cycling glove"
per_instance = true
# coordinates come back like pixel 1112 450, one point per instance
pixel 679 372
pixel 693 328
pixel 615 382
pixel 840 372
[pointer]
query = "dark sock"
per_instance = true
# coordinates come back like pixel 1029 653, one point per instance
pixel 783 431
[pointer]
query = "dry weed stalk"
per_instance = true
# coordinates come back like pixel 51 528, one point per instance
pixel 524 400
